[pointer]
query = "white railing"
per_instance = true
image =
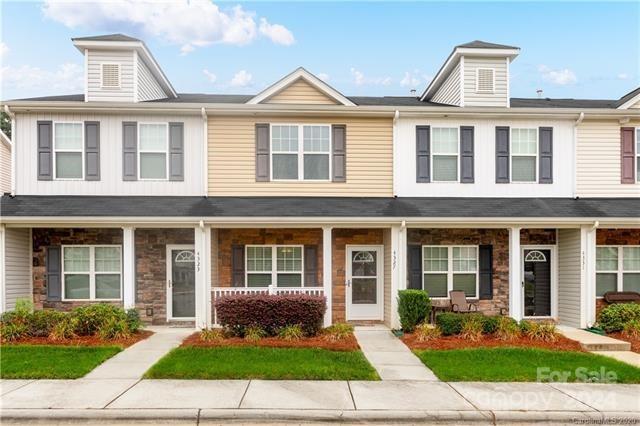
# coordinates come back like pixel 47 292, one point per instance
pixel 218 292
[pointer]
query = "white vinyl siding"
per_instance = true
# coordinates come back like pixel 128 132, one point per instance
pixel 569 277
pixel 95 89
pixel 495 98
pixel 449 91
pixel 148 87
pixel 16 255
pixel 5 168
pixel 111 182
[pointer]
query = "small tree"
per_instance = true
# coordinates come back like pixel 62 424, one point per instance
pixel 5 123
pixel 413 307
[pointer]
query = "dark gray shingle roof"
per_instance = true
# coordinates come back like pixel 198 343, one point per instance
pixel 106 37
pixel 628 97
pixel 562 103
pixel 479 44
pixel 372 207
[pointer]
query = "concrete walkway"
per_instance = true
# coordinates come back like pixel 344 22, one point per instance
pixel 135 360
pixel 602 345
pixel 222 401
pixel 391 358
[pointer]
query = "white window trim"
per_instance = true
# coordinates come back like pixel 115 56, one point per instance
pixel 119 86
pixel 432 155
pixel 274 264
pixel 55 150
pixel 92 273
pixel 300 152
pixel 493 80
pixel 536 155
pixel 450 273
pixel 146 151
pixel 620 271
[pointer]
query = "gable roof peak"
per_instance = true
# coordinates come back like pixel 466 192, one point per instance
pixel 107 37
pixel 479 44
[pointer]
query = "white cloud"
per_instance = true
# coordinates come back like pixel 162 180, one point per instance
pixel 324 77
pixel 560 77
pixel 4 49
pixel 276 33
pixel 623 76
pixel 241 79
pixel 361 80
pixel 66 78
pixel 411 80
pixel 210 76
pixel 187 23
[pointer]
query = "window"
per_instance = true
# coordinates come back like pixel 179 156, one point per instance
pixel 300 152
pixel 111 76
pixel 445 154
pixel 524 155
pixel 447 268
pixel 153 144
pixel 68 143
pixel 277 265
pixel 91 272
pixel 617 269
pixel 485 80
pixel 638 154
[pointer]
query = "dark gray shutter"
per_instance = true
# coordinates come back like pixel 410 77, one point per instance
pixel 423 148
pixel 339 137
pixel 92 150
pixel 129 150
pixel 466 154
pixel 502 155
pixel 262 153
pixel 545 137
pixel 54 279
pixel 176 151
pixel 45 150
pixel 310 266
pixel 627 155
pixel 414 266
pixel 237 266
pixel 485 264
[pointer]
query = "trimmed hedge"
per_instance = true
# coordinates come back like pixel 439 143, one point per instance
pixel 414 307
pixel 237 313
pixel 450 323
pixel 615 317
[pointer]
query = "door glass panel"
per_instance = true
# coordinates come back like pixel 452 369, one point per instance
pixel 537 283
pixel 364 263
pixel 364 291
pixel 364 281
pixel 183 280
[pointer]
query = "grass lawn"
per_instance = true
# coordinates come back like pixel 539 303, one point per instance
pixel 251 362
pixel 51 362
pixel 519 364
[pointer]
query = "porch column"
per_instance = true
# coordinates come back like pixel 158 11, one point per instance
pixel 327 271
pixel 2 273
pixel 588 261
pixel 398 262
pixel 202 240
pixel 128 267
pixel 515 278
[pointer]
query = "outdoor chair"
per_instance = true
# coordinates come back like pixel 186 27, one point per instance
pixel 460 304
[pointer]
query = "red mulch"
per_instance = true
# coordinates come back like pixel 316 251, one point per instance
pixel 349 344
pixel 456 342
pixel 83 340
pixel 635 342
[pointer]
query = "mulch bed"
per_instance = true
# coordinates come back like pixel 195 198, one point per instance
pixel 456 342
pixel 319 342
pixel 83 340
pixel 635 342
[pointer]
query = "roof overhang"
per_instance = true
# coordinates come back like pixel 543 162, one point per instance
pixel 634 100
pixel 137 46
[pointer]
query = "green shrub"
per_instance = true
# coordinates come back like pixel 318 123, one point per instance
pixel 291 332
pixel 414 307
pixel 338 331
pixel 507 329
pixel 23 307
pixel 212 335
pixel 133 320
pixel 425 332
pixel 93 317
pixel 489 324
pixel 449 322
pixel 13 331
pixel 614 317
pixel 65 328
pixel 632 329
pixel 472 326
pixel 545 331
pixel 114 328
pixel 41 323
pixel 254 333
pixel 525 326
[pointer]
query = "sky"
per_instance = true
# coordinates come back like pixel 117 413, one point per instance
pixel 568 49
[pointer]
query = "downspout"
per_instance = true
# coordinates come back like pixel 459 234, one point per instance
pixel 395 151
pixel 205 152
pixel 14 149
pixel 575 154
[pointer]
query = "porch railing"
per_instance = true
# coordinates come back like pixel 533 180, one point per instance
pixel 218 292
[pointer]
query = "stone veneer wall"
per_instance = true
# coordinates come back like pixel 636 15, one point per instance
pixel 44 237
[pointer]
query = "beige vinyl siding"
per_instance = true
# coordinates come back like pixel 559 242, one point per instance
pixel 94 70
pixel 449 92
pixel 499 96
pixel 569 277
pixel 300 92
pixel 636 105
pixel 598 170
pixel 17 265
pixel 386 240
pixel 232 158
pixel 5 168
pixel 148 87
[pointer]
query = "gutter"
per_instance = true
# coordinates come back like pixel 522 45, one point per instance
pixel 14 149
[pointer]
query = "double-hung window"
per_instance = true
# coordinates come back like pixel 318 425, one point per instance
pixel 277 265
pixel 445 149
pixel 524 155
pixel 91 272
pixel 300 152
pixel 617 269
pixel 68 139
pixel 447 268
pixel 153 146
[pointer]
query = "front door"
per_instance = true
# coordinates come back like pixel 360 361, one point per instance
pixel 537 277
pixel 364 281
pixel 181 282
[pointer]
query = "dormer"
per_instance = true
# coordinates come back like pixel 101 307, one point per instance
pixel 475 74
pixel 119 68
